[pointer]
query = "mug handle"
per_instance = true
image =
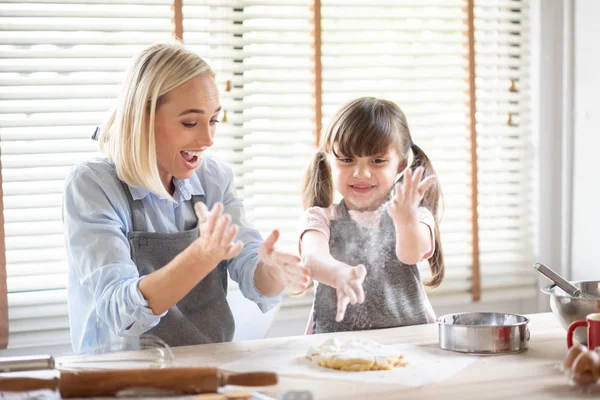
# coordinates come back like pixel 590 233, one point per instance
pixel 571 329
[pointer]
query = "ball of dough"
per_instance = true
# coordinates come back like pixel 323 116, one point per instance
pixel 350 354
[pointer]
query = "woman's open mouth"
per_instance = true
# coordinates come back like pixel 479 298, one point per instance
pixel 191 158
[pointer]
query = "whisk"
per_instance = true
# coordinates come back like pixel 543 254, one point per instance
pixel 145 351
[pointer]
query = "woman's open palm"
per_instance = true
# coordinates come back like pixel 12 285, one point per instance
pixel 285 268
pixel 217 235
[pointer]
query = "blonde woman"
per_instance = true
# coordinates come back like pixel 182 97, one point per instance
pixel 153 228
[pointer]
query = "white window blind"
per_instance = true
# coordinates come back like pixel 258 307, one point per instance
pixel 261 51
pixel 504 149
pixel 61 63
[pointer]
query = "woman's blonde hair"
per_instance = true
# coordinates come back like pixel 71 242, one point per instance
pixel 363 128
pixel 127 138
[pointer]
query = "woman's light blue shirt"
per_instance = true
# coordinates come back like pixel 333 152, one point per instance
pixel 105 302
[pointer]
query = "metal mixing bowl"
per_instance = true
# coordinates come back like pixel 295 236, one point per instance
pixel 569 309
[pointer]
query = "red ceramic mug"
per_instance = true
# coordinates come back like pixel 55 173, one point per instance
pixel 592 323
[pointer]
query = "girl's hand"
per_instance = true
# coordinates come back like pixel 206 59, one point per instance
pixel 216 241
pixel 348 284
pixel 285 268
pixel 409 193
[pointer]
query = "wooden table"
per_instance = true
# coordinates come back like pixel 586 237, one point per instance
pixel 532 374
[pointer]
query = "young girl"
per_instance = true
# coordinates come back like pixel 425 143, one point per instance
pixel 364 250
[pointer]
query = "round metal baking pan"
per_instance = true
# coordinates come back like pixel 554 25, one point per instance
pixel 483 332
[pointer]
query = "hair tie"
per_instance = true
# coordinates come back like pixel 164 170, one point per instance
pixel 96 132
pixel 413 145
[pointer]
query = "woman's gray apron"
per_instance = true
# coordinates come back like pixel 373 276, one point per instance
pixel 203 315
pixel 394 294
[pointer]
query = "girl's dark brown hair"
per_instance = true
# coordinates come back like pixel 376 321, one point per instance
pixel 367 127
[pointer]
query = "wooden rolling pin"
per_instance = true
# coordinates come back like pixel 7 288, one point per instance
pixel 184 380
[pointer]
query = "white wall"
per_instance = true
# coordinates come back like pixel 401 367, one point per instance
pixel 551 153
pixel 586 180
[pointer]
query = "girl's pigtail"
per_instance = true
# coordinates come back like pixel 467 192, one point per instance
pixel 431 201
pixel 317 187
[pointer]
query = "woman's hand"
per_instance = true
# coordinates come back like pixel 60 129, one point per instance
pixel 409 193
pixel 216 241
pixel 348 284
pixel 285 268
pixel 166 286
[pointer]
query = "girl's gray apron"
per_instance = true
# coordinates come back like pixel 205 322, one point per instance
pixel 394 294
pixel 203 315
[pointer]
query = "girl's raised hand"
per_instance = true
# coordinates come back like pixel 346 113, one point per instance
pixel 216 241
pixel 348 284
pixel 285 268
pixel 409 193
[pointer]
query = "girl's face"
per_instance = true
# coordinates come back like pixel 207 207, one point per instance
pixel 365 182
pixel 185 126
